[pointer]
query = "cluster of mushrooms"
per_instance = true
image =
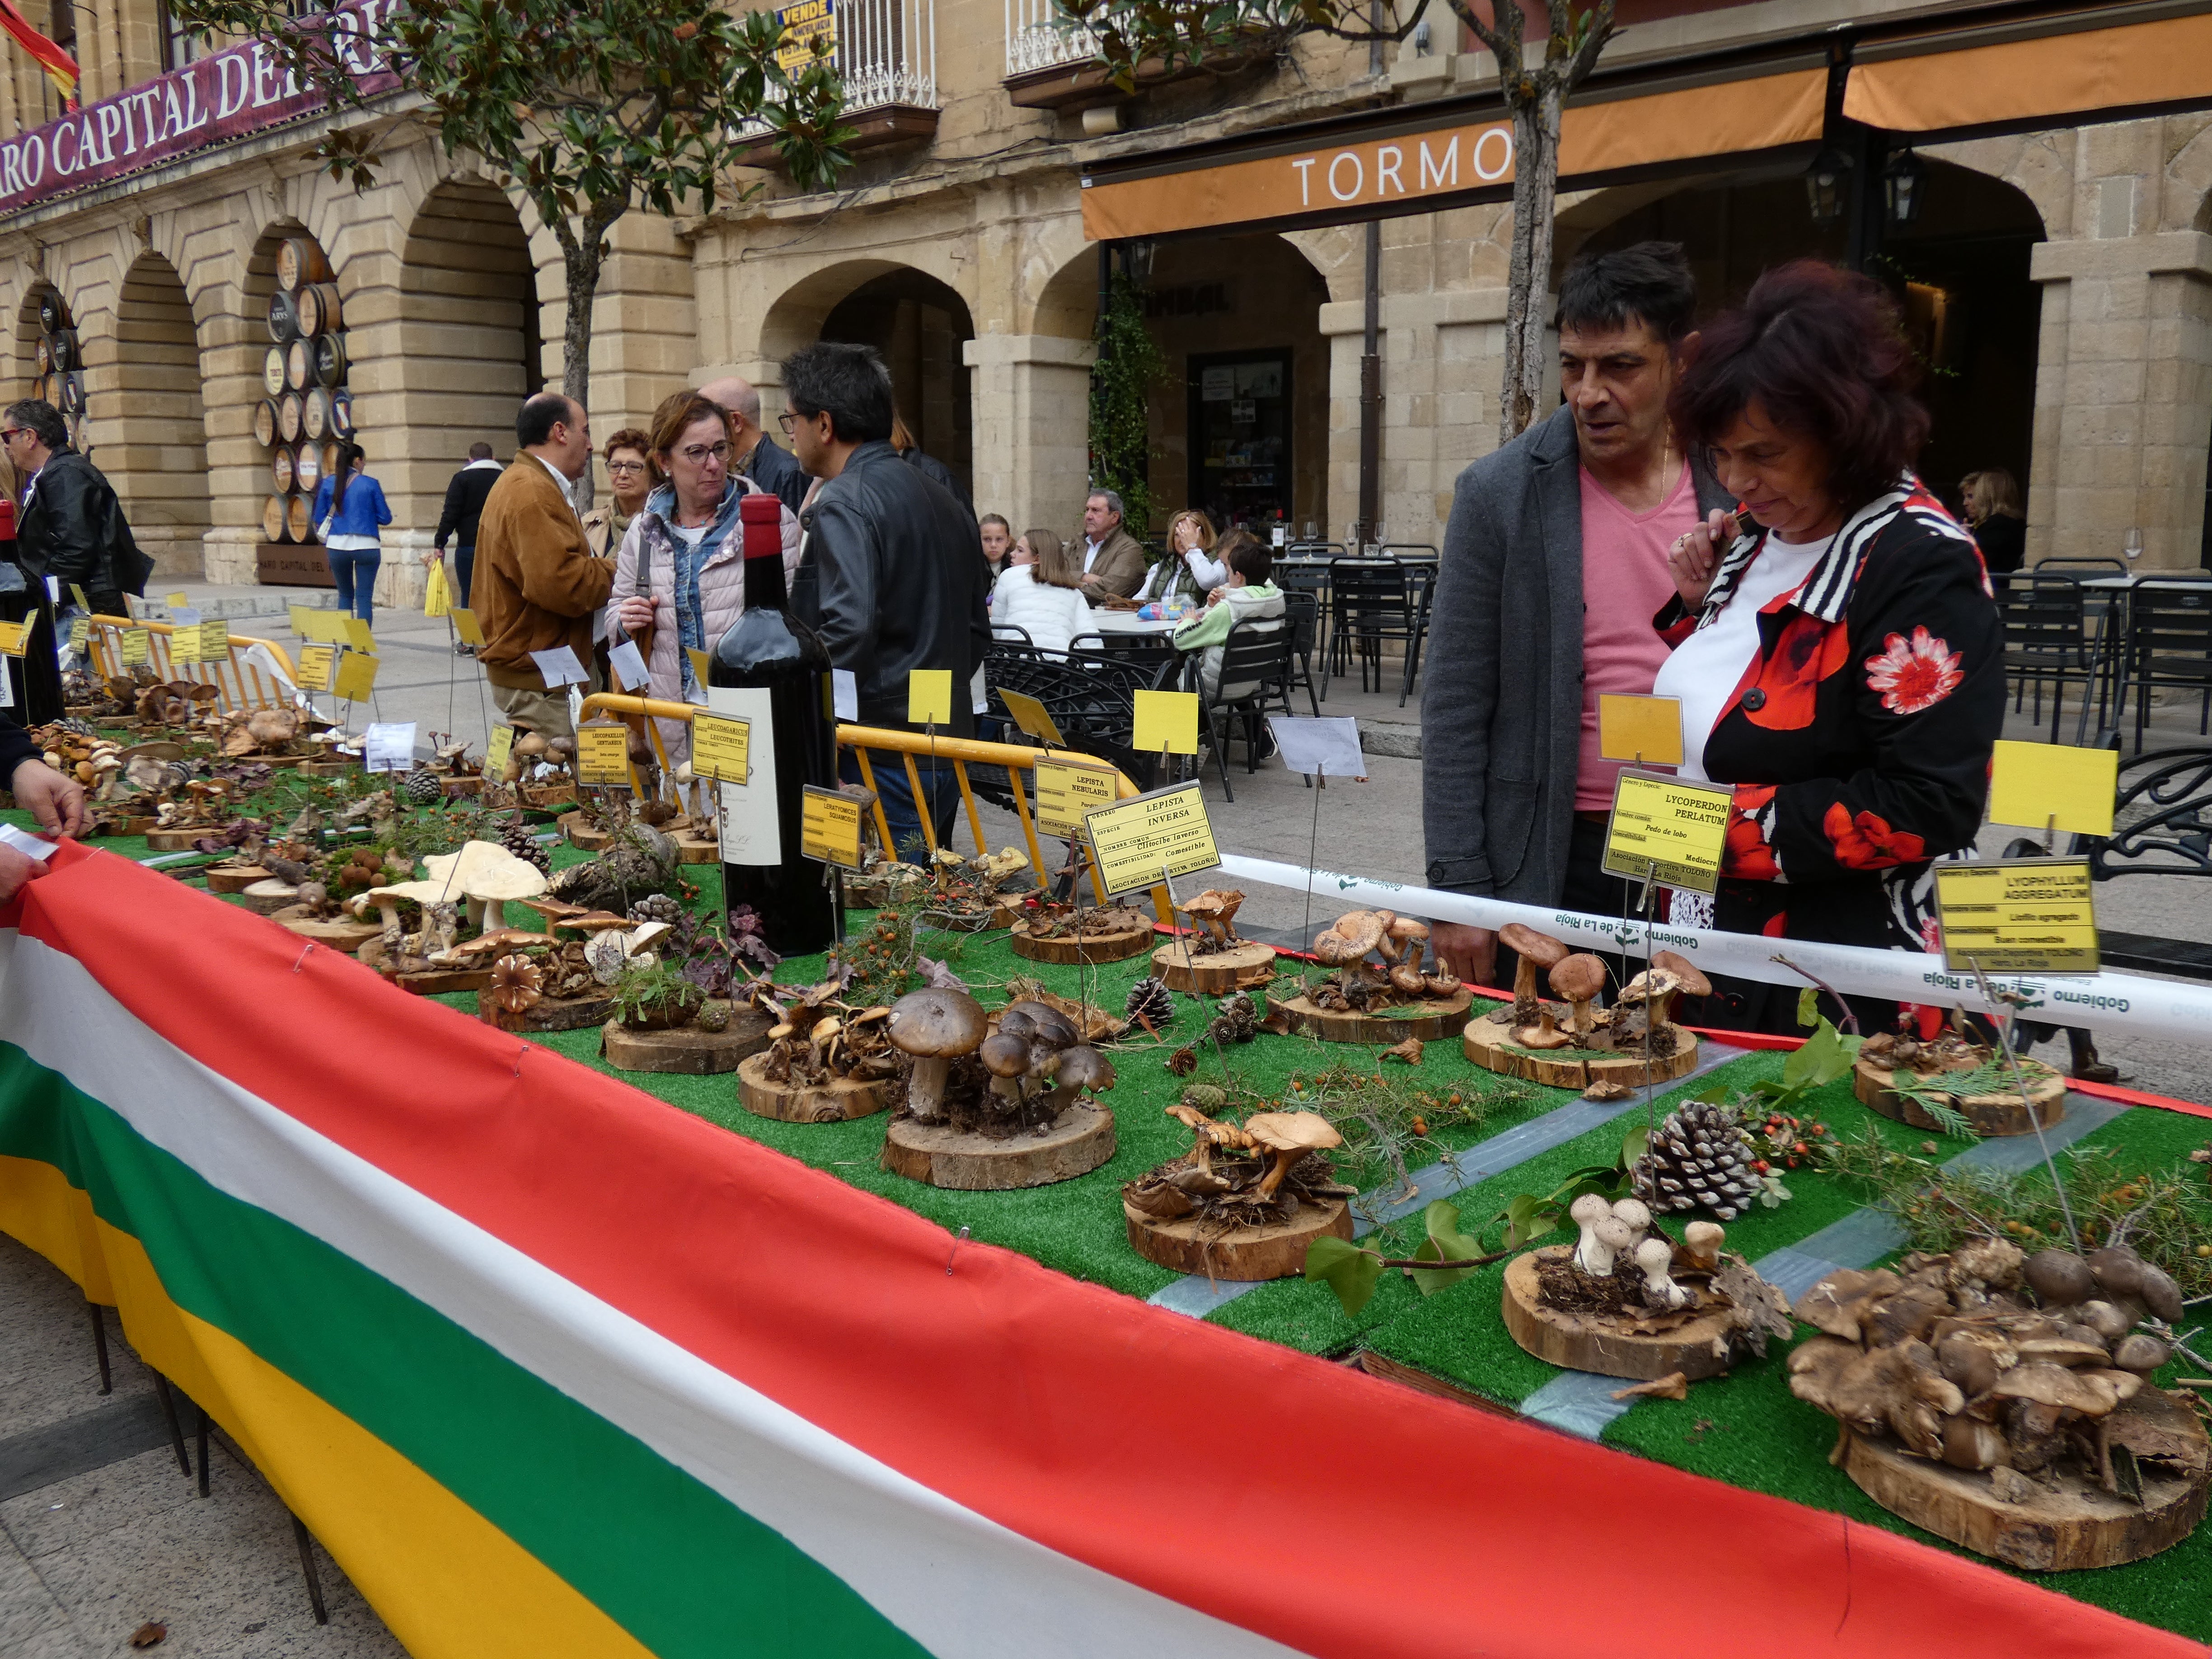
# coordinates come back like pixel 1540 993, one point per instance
pixel 246 732
pixel 1378 956
pixel 1950 1050
pixel 1577 979
pixel 1623 1265
pixel 1985 1360
pixel 994 1075
pixel 817 1038
pixel 174 702
pixel 1213 916
pixel 1255 1174
pixel 528 968
pixel 537 759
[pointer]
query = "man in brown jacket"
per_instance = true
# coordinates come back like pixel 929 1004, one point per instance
pixel 537 586
pixel 1113 561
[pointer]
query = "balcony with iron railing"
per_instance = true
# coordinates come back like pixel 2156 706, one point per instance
pixel 886 54
pixel 1052 61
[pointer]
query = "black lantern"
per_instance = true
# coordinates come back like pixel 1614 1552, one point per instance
pixel 1827 184
pixel 1902 182
pixel 1140 256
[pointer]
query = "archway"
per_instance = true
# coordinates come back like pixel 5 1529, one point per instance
pixel 920 325
pixel 153 444
pixel 296 314
pixel 468 298
pixel 48 358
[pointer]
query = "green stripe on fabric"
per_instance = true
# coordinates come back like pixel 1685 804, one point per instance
pixel 675 1564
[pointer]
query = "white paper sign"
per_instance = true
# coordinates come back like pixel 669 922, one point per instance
pixel 388 746
pixel 184 616
pixel 559 666
pixel 845 694
pixel 628 664
pixel 1329 747
pixel 25 843
pixel 54 589
pixel 751 831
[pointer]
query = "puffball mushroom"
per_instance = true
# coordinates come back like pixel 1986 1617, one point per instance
pixel 1654 1256
pixel 1579 978
pixel 1633 1212
pixel 1586 1212
pixel 1290 1136
pixel 1610 1241
pixel 1701 1242
pixel 1536 952
pixel 933 1025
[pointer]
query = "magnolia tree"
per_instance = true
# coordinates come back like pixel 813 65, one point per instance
pixel 589 110
pixel 1535 74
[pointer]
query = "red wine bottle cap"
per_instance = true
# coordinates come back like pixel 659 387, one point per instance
pixel 762 514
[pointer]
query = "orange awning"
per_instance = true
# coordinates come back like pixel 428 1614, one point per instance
pixel 1358 179
pixel 1939 84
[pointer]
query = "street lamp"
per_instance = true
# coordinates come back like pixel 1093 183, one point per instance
pixel 1140 254
pixel 1902 182
pixel 1827 181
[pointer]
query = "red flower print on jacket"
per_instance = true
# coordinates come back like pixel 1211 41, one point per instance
pixel 1745 855
pixel 1914 675
pixel 1868 842
pixel 1807 651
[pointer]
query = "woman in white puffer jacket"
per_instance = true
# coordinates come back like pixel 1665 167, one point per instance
pixel 1037 593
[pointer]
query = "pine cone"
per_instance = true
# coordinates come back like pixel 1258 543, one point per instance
pixel 424 787
pixel 1150 1004
pixel 1700 1157
pixel 657 906
pixel 1243 1017
pixel 517 840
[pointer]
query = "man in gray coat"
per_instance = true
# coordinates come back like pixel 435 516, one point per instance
pixel 1554 565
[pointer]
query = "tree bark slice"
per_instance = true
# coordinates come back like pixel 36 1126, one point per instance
pixel 1116 944
pixel 1075 1143
pixel 697 849
pixel 2079 1525
pixel 1991 1114
pixel 233 877
pixel 835 1101
pixel 686 1050
pixel 1490 1046
pixel 348 936
pixel 1194 1245
pixel 1428 1021
pixel 581 836
pixel 1592 1342
pixel 177 841
pixel 547 1013
pixel 1245 968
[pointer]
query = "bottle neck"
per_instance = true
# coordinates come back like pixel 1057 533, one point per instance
pixel 764 589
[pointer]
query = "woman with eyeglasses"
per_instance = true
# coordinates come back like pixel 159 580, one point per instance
pixel 629 480
pixel 680 575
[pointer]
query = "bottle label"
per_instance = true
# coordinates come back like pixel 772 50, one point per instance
pixel 751 831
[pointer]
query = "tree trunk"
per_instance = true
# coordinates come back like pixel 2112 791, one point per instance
pixel 1535 192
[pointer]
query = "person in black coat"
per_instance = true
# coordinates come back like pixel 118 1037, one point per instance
pixel 753 453
pixel 1992 504
pixel 57 802
pixel 465 498
pixel 928 465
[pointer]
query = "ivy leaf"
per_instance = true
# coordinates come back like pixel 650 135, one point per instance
pixel 1826 1055
pixel 1528 1217
pixel 1445 1242
pixel 1349 1271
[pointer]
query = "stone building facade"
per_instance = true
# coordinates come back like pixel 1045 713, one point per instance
pixel 2066 281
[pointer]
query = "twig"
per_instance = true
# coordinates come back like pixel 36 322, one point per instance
pixel 1851 1021
pixel 2011 1007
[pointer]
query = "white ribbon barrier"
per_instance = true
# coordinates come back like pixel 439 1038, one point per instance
pixel 2115 1002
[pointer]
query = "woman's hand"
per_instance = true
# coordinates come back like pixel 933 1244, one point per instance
pixel 1693 558
pixel 636 612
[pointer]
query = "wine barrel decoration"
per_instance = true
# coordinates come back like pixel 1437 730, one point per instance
pixel 299 261
pixel 315 413
pixel 44 354
pixel 320 301
pixel 52 313
pixel 307 311
pixel 272 372
pixel 73 393
pixel 283 318
pixel 330 360
pixel 280 470
pixel 264 423
pixel 299 365
pixel 288 412
pixel 80 433
pixel 276 520
pixel 341 412
pixel 330 459
pixel 307 467
pixel 62 345
pixel 298 518
pixel 43 388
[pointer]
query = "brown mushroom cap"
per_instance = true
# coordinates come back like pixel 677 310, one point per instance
pixel 1578 977
pixel 1539 948
pixel 1363 929
pixel 1287 1132
pixel 2086 1392
pixel 1692 982
pixel 1406 927
pixel 1653 981
pixel 2059 1278
pixel 1048 1025
pixel 1213 902
pixel 1005 1055
pixel 937 1024
pixel 1084 1068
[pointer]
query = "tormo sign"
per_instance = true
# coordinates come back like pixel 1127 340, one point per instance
pixel 241 90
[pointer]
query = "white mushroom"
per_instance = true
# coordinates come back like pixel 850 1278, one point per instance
pixel 1587 1212
pixel 1701 1242
pixel 1633 1211
pixel 1653 1255
pixel 386 900
pixel 1610 1243
pixel 487 875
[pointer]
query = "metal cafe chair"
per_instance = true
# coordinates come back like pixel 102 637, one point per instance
pixel 1154 653
pixel 1308 581
pixel 1255 669
pixel 2170 644
pixel 2045 641
pixel 1304 608
pixel 1372 603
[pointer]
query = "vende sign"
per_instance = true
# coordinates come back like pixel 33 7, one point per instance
pixel 241 90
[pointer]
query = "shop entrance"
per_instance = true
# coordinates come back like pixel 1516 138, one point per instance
pixel 1242 438
pixel 918 326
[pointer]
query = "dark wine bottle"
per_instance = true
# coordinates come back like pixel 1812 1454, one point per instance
pixel 771 670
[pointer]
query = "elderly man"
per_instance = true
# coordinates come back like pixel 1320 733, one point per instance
pixel 1554 565
pixel 754 455
pixel 538 587
pixel 57 803
pixel 1114 562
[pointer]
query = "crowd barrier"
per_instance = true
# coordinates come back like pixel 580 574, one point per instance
pixel 253 673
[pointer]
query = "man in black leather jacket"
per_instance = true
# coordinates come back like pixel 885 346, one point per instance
pixel 892 576
pixel 70 527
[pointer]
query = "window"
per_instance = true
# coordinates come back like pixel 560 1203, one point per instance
pixel 180 46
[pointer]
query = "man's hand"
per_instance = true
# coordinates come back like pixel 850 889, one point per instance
pixel 1468 954
pixel 57 802
pixel 14 871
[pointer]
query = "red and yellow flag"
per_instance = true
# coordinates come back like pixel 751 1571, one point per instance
pixel 60 67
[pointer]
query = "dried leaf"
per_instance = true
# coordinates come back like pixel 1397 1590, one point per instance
pixel 147 1634
pixel 936 976
pixel 1672 1386
pixel 1407 1053
pixel 1278 1022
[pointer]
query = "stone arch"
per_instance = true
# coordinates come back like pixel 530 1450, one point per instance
pixel 1066 303
pixel 154 442
pixel 23 358
pixel 921 327
pixel 794 318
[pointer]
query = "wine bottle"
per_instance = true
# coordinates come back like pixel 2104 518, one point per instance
pixel 772 671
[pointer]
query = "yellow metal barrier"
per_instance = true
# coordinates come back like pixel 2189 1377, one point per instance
pixel 238 684
pixel 1016 759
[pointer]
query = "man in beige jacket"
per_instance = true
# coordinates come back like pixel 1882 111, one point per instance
pixel 537 586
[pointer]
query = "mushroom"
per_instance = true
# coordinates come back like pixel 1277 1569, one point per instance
pixel 1701 1243
pixel 1408 940
pixel 1005 1056
pixel 1837 1303
pixel 1042 1023
pixel 1082 1068
pixel 1544 1034
pixel 1633 1212
pixel 386 901
pixel 1610 1241
pixel 2060 1278
pixel 1536 950
pixel 2141 1352
pixel 2160 1294
pixel 487 875
pixel 1349 939
pixel 1654 1256
pixel 271 728
pixel 1207 1135
pixel 933 1025
pixel 1290 1136
pixel 514 985
pixel 1586 1212
pixel 1579 978
pixel 314 897
pixel 1654 988
pixel 1971 1444
pixel 1407 979
pixel 2111 1323
pixel 499 942
pixel 1688 980
pixel 2085 1392
pixel 1215 911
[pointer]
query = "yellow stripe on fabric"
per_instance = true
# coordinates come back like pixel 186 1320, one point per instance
pixel 446 1581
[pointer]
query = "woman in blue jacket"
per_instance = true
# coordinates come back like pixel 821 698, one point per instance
pixel 348 509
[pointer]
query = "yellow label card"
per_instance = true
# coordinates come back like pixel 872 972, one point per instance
pixel 1667 830
pixel 830 827
pixel 185 644
pixel 466 625
pixel 1031 716
pixel 178 601
pixel 138 648
pixel 1166 721
pixel 929 696
pixel 13 636
pixel 327 626
pixel 215 642
pixel 1645 730
pixel 1065 790
pixel 721 748
pixel 2030 783
pixel 318 666
pixel 603 753
pixel 497 752
pixel 2021 916
pixel 1137 842
pixel 302 621
pixel 358 637
pixel 698 665
pixel 356 677
pixel 80 633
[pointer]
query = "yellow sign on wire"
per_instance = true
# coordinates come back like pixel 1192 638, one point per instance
pixel 466 625
pixel 1166 721
pixel 1642 731
pixel 358 637
pixel 138 648
pixel 1668 830
pixel 1032 716
pixel 2017 916
pixel 830 827
pixel 721 748
pixel 318 666
pixel 2031 784
pixel 13 638
pixel 497 751
pixel 603 754
pixel 929 696
pixel 214 642
pixel 1065 790
pixel 1138 841
pixel 356 677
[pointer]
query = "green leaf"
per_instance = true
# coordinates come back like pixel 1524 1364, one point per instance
pixel 1808 1007
pixel 1528 1217
pixel 1445 1242
pixel 1633 1145
pixel 1349 1271
pixel 1825 1055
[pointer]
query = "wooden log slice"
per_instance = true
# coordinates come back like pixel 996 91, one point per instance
pixel 233 877
pixel 1990 1114
pixel 1442 1017
pixel 687 1050
pixel 135 826
pixel 548 1013
pixel 1244 968
pixel 837 1101
pixel 1490 1046
pixel 327 768
pixel 581 836
pixel 2077 1525
pixel 453 787
pixel 697 849
pixel 431 982
pixel 1128 937
pixel 178 841
pixel 1075 1143
pixel 1588 1342
pixel 1194 1245
pixel 340 933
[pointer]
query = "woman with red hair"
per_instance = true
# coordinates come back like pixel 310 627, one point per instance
pixel 1838 655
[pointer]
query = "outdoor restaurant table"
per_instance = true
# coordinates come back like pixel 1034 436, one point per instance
pixel 1103 621
pixel 2113 647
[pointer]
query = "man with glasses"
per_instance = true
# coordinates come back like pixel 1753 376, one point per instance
pixel 465 492
pixel 757 457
